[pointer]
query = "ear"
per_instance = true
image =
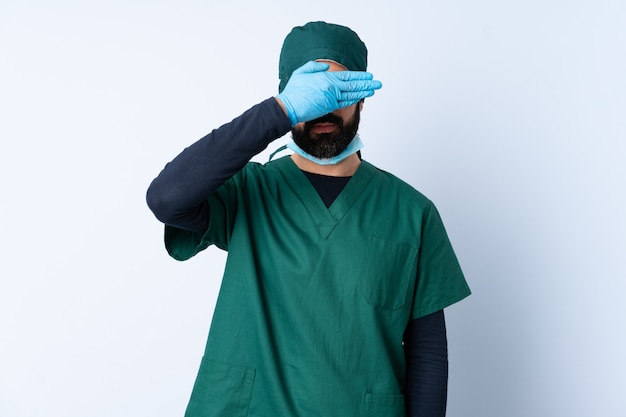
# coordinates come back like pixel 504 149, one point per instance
pixel 361 104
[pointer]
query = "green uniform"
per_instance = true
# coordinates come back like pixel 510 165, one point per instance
pixel 314 300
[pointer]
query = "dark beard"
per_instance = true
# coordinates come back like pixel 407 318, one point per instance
pixel 327 145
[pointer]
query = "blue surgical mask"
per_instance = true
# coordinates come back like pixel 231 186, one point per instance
pixel 355 145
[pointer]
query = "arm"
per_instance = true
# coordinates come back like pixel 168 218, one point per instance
pixel 177 197
pixel 426 352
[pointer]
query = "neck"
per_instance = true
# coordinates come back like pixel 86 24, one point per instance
pixel 345 168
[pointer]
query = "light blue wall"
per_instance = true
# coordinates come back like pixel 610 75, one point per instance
pixel 510 116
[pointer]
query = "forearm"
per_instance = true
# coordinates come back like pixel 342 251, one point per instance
pixel 426 352
pixel 177 196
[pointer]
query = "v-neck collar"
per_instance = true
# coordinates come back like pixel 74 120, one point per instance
pixel 326 218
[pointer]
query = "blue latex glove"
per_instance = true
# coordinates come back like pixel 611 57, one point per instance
pixel 313 92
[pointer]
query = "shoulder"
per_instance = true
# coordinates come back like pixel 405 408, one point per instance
pixel 389 183
pixel 254 174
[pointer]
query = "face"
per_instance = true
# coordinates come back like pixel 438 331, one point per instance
pixel 328 135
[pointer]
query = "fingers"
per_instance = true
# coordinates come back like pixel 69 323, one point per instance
pixel 357 81
pixel 355 96
pixel 352 81
pixel 353 91
pixel 348 99
pixel 353 75
pixel 366 85
pixel 345 80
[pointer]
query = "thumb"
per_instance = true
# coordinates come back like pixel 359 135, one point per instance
pixel 312 66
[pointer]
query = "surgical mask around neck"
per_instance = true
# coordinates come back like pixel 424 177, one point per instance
pixel 355 145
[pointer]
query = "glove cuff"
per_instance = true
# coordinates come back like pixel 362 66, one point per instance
pixel 290 111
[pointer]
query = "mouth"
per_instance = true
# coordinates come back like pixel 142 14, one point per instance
pixel 324 128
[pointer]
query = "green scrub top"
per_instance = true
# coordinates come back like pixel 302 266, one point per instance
pixel 314 301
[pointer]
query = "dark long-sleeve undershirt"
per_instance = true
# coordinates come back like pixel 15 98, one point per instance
pixel 177 197
pixel 426 353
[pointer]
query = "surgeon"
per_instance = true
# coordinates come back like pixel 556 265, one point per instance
pixel 331 302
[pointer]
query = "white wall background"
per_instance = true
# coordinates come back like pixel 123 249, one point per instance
pixel 509 115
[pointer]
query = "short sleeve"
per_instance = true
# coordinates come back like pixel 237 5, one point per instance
pixel 440 280
pixel 183 244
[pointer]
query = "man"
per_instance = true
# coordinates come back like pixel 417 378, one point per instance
pixel 332 300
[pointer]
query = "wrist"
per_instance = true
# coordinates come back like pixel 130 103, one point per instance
pixel 287 108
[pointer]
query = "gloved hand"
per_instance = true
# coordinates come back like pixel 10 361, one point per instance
pixel 312 91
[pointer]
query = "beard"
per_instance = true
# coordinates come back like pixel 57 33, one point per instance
pixel 327 145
